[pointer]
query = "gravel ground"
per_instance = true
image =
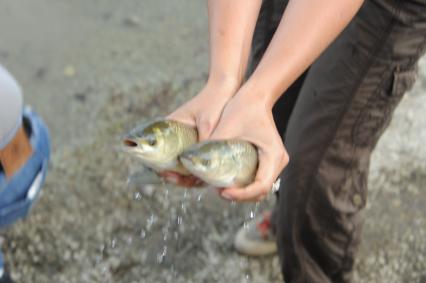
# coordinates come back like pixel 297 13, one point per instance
pixel 95 68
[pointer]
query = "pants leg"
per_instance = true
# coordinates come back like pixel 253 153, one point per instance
pixel 344 106
pixel 10 107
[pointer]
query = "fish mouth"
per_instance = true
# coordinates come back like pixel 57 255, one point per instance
pixel 130 143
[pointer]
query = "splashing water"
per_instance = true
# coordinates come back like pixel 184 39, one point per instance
pixel 151 220
pixel 252 215
pixel 161 256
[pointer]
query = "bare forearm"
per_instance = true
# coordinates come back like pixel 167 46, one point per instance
pixel 231 25
pixel 306 29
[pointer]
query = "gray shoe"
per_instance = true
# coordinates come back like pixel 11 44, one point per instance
pixel 256 238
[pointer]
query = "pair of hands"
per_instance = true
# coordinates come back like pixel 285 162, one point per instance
pixel 220 111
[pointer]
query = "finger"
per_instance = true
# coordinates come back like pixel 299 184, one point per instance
pixel 183 181
pixel 250 193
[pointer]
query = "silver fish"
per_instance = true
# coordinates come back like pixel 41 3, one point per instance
pixel 158 144
pixel 223 163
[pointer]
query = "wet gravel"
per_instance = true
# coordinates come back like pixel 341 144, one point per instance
pixel 91 225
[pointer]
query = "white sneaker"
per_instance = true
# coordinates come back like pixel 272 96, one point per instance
pixel 256 238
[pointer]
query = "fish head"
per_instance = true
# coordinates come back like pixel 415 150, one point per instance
pixel 151 142
pixel 211 161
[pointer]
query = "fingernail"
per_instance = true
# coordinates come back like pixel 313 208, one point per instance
pixel 226 196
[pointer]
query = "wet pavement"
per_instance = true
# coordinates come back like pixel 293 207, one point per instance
pixel 94 69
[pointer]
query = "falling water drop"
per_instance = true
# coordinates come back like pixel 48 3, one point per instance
pixel 162 255
pixel 151 220
pixel 246 225
pixel 200 196
pixel 166 231
pixel 137 196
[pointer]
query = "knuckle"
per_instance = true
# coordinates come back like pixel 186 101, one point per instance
pixel 264 190
pixel 205 124
pixel 283 157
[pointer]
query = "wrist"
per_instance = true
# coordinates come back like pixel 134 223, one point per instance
pixel 221 88
pixel 223 82
pixel 254 93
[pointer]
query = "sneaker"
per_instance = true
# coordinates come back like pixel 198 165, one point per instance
pixel 256 238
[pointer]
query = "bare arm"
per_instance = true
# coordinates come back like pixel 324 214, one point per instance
pixel 231 26
pixel 306 29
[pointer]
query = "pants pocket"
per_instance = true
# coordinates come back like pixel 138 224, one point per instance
pixel 377 113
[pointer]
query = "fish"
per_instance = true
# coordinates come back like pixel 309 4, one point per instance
pixel 159 142
pixel 222 163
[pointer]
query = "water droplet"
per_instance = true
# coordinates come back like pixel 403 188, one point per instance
pixel 151 220
pixel 165 231
pixel 246 225
pixel 200 196
pixel 103 269
pixel 138 196
pixel 162 255
pixel 183 208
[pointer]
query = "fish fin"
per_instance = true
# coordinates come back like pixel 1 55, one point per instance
pixel 144 177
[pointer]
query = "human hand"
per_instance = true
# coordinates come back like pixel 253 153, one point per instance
pixel 203 112
pixel 251 120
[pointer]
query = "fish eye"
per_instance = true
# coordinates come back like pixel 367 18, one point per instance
pixel 206 162
pixel 153 142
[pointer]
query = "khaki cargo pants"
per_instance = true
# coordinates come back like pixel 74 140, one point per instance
pixel 339 108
